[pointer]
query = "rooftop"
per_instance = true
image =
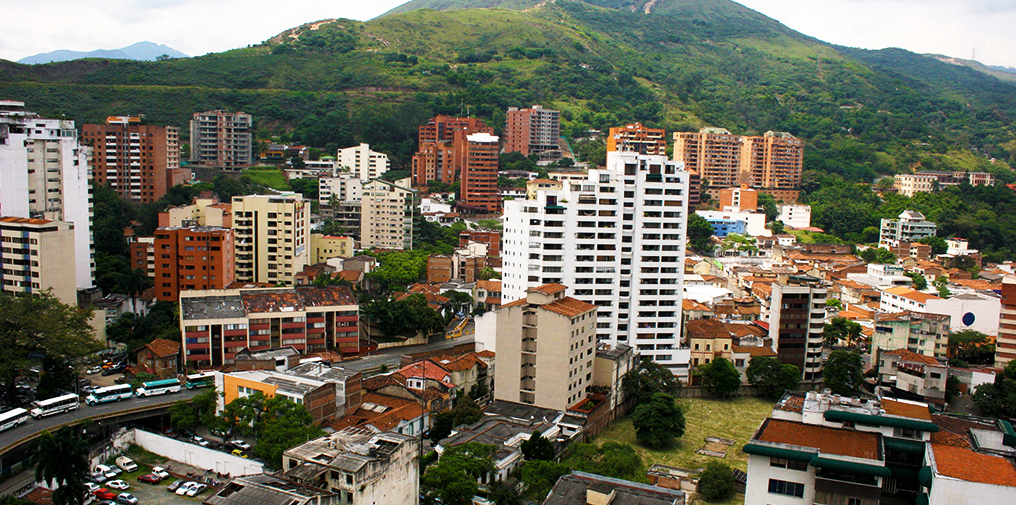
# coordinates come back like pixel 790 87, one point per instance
pixel 911 294
pixel 549 289
pixel 906 409
pixel 349 449
pixel 569 307
pixel 965 464
pixel 162 348
pixel 263 489
pixel 212 307
pixel 856 444
pixel 572 490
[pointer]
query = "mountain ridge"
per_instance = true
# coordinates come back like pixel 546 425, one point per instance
pixel 143 51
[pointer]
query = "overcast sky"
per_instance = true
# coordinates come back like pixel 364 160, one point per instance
pixel 951 27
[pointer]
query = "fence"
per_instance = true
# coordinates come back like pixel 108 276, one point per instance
pixel 189 454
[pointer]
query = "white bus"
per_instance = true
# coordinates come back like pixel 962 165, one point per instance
pixel 201 380
pixel 12 418
pixel 56 405
pixel 110 394
pixel 158 387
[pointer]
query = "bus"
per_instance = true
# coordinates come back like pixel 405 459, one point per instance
pixel 109 394
pixel 12 418
pixel 43 408
pixel 201 380
pixel 158 387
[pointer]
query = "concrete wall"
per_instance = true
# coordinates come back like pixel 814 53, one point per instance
pixel 949 491
pixel 194 455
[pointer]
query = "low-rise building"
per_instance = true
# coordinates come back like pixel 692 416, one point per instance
pixel 580 488
pixel 795 215
pixel 971 310
pixel 360 466
pixel 327 392
pixel 906 374
pixel 909 227
pixel 919 332
pixel 160 357
pixel 325 247
pixel 265 489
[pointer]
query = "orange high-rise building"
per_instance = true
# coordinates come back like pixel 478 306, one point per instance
pixel 714 153
pixel 532 131
pixel 199 257
pixel 477 154
pixel 773 161
pixel 638 139
pixel 1005 344
pixel 438 157
pixel 141 162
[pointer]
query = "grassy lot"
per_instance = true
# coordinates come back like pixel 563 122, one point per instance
pixel 735 419
pixel 272 177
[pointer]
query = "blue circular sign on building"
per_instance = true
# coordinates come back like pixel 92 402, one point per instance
pixel 968 319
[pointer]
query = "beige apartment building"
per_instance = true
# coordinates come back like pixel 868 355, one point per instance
pixel 773 161
pixel 386 215
pixel 325 247
pixel 545 348
pixel 272 237
pixel 38 254
pixel 221 139
pixel 363 162
pixel 204 210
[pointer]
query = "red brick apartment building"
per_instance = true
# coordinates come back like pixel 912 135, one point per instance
pixel 199 257
pixel 141 162
pixel 217 323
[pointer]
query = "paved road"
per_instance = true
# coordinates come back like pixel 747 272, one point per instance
pixel 84 411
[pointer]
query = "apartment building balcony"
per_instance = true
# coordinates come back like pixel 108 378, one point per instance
pixel 528 385
pixel 833 488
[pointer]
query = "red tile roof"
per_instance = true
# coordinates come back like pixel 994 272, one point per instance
pixel 459 363
pixel 965 464
pixel 549 288
pixel 428 370
pixel 903 409
pixel 755 351
pixel 490 286
pixel 911 294
pixel 569 307
pixel 908 355
pixel 162 348
pixel 485 354
pixel 857 444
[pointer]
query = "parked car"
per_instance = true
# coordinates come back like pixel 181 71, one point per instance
pixel 126 464
pixel 118 484
pixel 240 444
pixel 104 494
pixel 150 479
pixel 94 370
pixel 98 477
pixel 115 369
pixel 127 499
pixel 174 486
pixel 239 453
pixel 199 440
pixel 106 502
pixel 106 471
pixel 92 487
pixel 88 390
pixel 160 472
pixel 84 382
pixel 196 489
pixel 182 490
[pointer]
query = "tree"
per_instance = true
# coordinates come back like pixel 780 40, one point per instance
pixel 920 283
pixel 501 493
pixel 658 422
pixel 716 482
pixel 880 255
pixel 843 373
pixel 134 284
pixel 488 273
pixel 700 233
pixel 967 345
pixel 720 377
pixel 539 476
pixel 57 375
pixel 612 459
pixel 40 324
pixel 648 378
pixel 536 447
pixel 465 411
pixel 283 424
pixel 187 414
pixel 938 244
pixel 61 461
pixel 771 377
pixel 952 388
pixel 998 399
pixel 841 329
pixel 777 227
pixel 452 480
pixel 768 204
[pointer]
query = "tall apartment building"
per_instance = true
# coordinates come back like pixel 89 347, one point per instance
pixel 362 162
pixel 142 251
pixel 773 161
pixel 44 174
pixel 221 139
pixel 204 210
pixel 910 227
pixel 434 161
pixel 196 257
pixel 442 153
pixel 533 131
pixel 215 324
pixel 387 212
pixel 343 187
pixel 141 162
pixel 442 128
pixel 272 237
pixel 635 138
pixel 1005 343
pixel 545 346
pixel 797 322
pixel 479 155
pixel 618 241
pixel 36 255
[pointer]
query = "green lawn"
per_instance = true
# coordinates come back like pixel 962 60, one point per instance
pixel 735 419
pixel 272 177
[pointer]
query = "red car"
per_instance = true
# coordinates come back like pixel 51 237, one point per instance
pixel 104 494
pixel 150 478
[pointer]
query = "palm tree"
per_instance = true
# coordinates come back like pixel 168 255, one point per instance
pixel 61 460
pixel 133 285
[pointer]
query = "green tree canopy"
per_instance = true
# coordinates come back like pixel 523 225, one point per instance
pixel 843 373
pixel 539 476
pixel 716 483
pixel 920 283
pixel 700 233
pixel 720 377
pixel 61 460
pixel 841 329
pixel 453 478
pixel 612 459
pixel 938 245
pixel 648 378
pixel 771 377
pixel 658 422
pixel 880 255
pixel 537 447
pixel 465 411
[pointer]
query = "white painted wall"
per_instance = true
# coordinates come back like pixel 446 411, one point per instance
pixel 759 473
pixel 949 491
pixel 197 456
pixel 485 330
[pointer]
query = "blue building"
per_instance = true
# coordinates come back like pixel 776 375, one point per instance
pixel 724 227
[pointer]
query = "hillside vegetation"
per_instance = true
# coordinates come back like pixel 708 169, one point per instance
pixel 685 65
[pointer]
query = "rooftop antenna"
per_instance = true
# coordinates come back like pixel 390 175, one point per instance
pixel 973 54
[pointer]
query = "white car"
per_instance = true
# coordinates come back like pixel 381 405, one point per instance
pixel 200 441
pixel 94 370
pixel 196 489
pixel 126 464
pixel 160 472
pixel 92 487
pixel 118 485
pixel 182 490
pixel 240 444
pixel 105 471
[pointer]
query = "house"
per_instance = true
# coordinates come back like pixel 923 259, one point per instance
pixel 387 413
pixel 580 488
pixel 160 357
pixel 505 433
pixel 906 374
pixel 269 489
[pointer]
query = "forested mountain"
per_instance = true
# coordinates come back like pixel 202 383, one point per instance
pixel 684 65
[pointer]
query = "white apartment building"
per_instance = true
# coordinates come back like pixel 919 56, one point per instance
pixel 795 215
pixel 545 345
pixel 386 215
pixel 345 187
pixel 272 237
pixel 362 162
pixel 36 255
pixel 44 174
pixel 967 311
pixel 910 227
pixel 617 239
pixel 754 223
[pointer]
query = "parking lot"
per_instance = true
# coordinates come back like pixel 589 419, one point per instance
pixel 156 494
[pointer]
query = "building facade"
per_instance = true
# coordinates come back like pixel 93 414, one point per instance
pixel 1005 344
pixel 272 237
pixel 44 174
pixel 36 255
pixel 198 257
pixel 774 160
pixel 910 227
pixel 479 161
pixel 387 213
pixel 221 139
pixel 635 138
pixel 363 163
pixel 545 345
pixel 141 162
pixel 533 131
pixel 442 149
pixel 617 239
pixel 918 332
pixel 796 323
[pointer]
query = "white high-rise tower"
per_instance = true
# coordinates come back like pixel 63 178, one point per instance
pixel 616 240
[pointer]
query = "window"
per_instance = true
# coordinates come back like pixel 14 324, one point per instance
pixel 789 464
pixel 787 488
